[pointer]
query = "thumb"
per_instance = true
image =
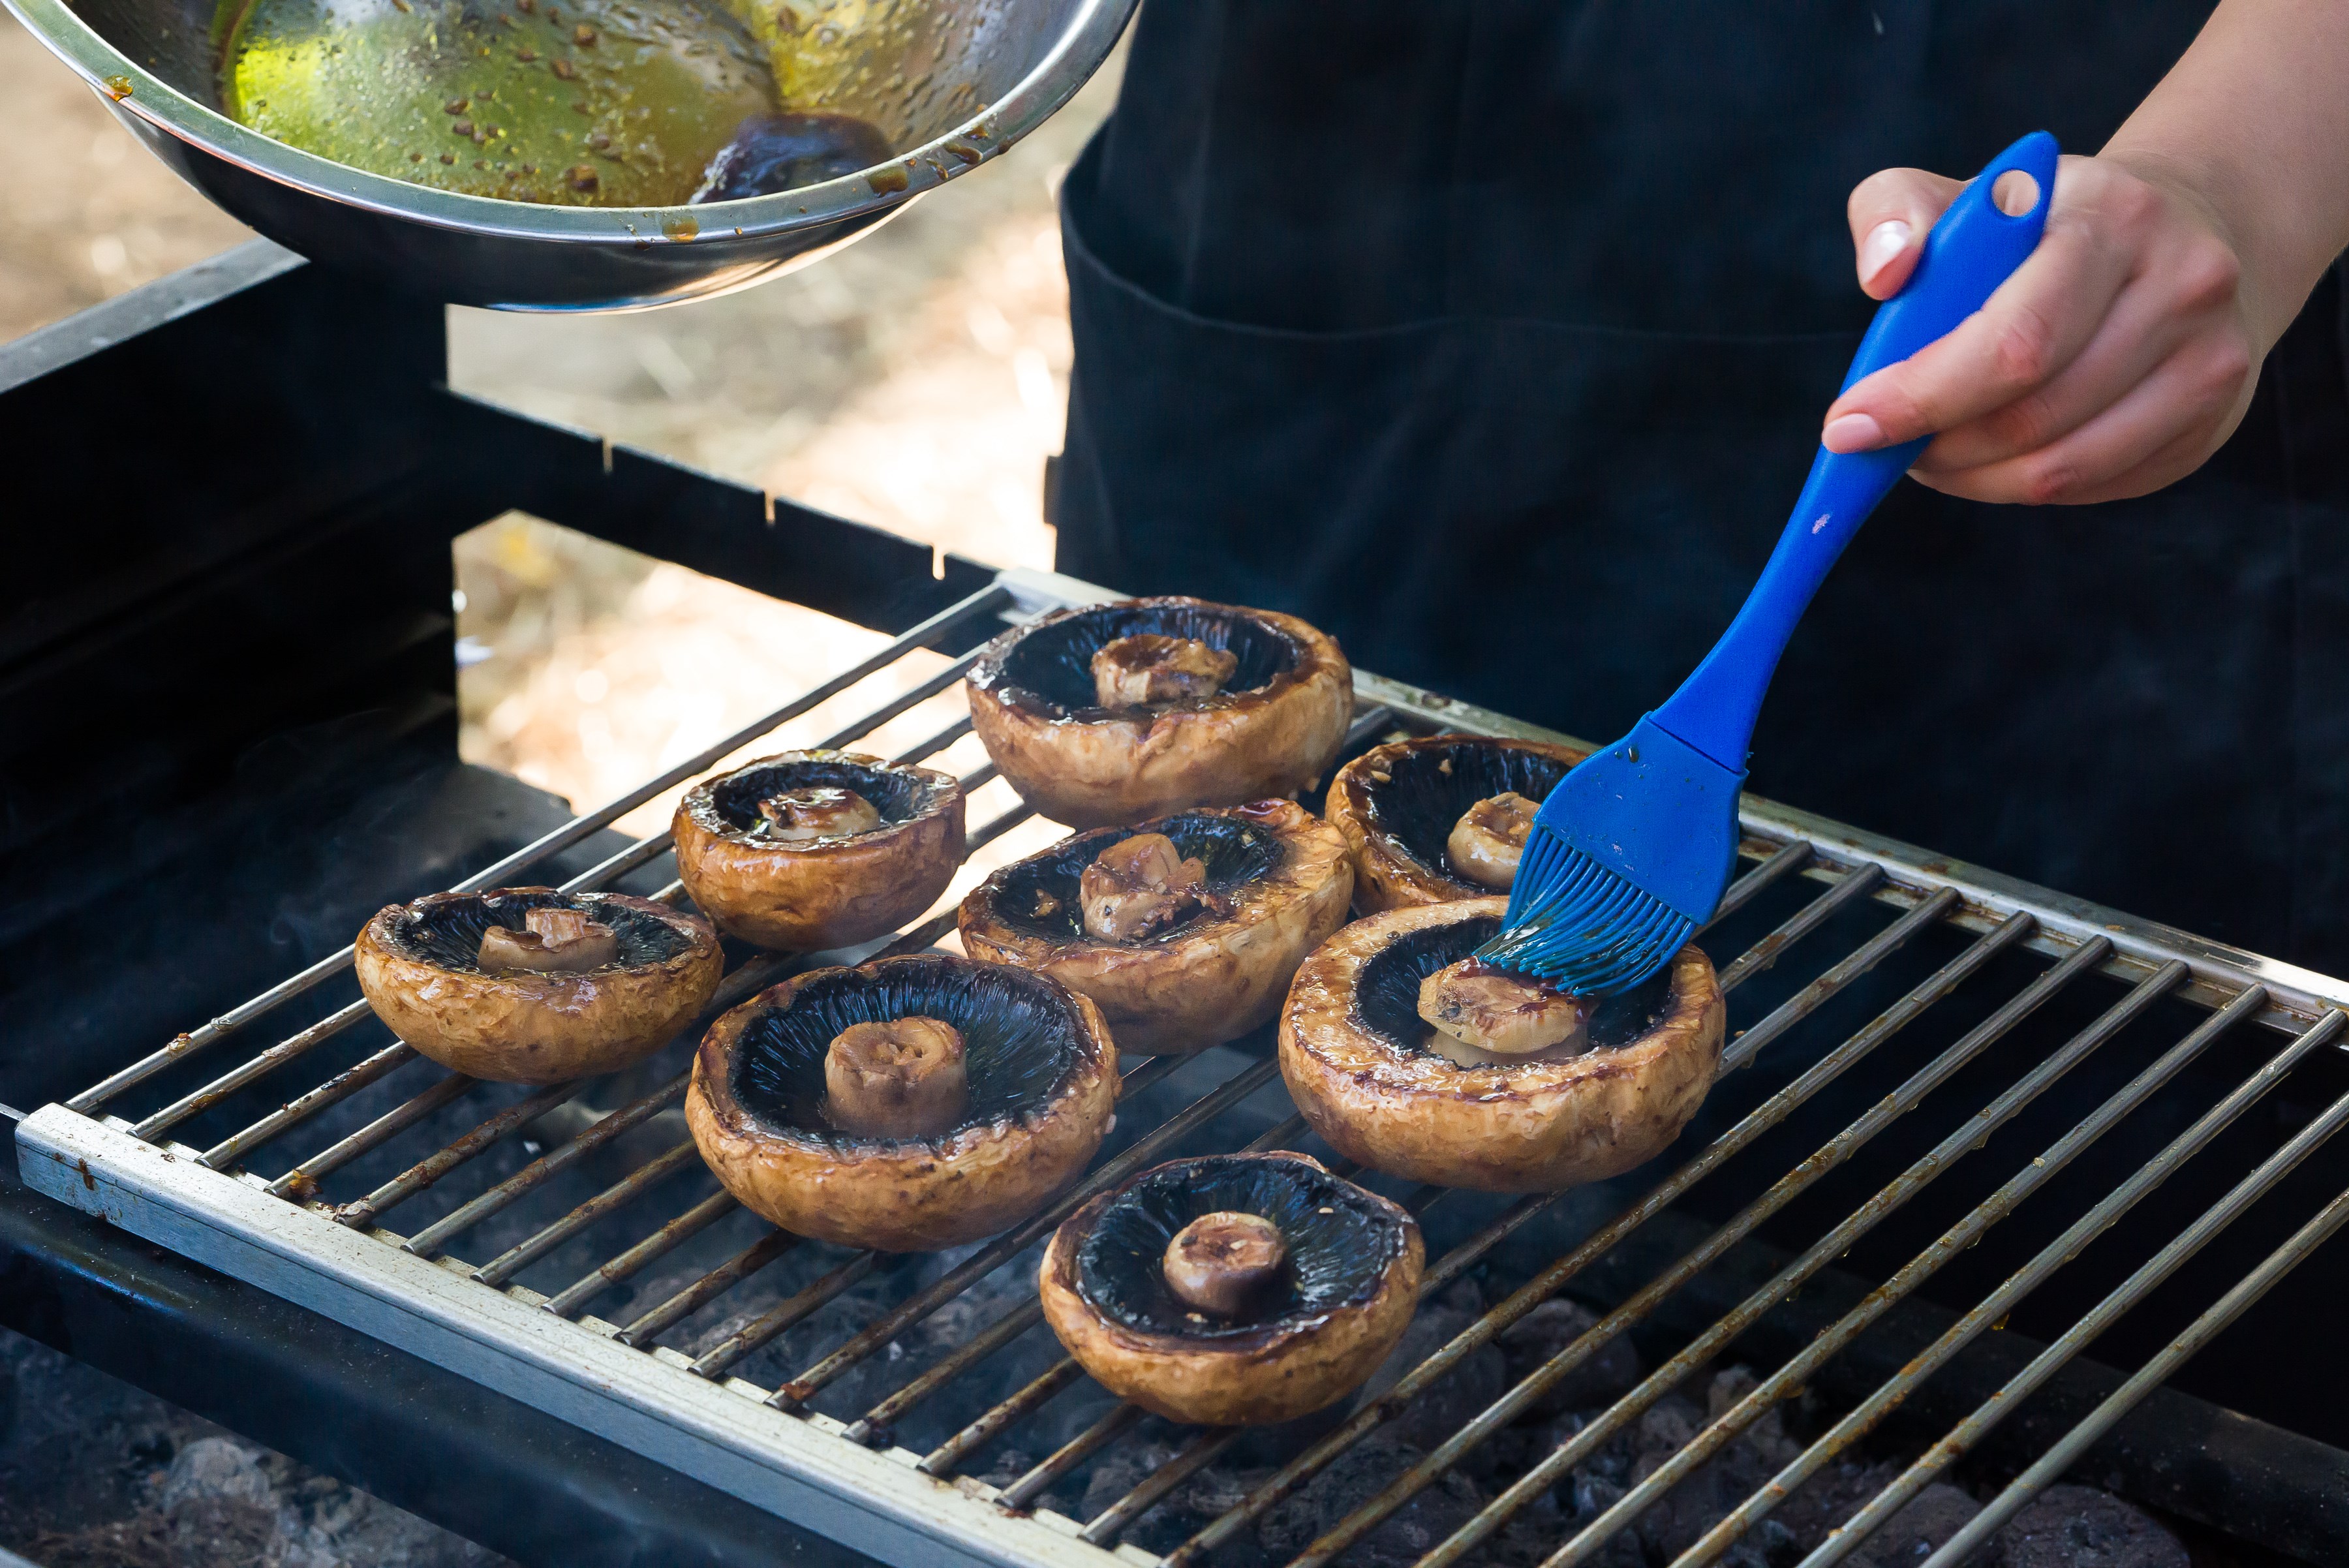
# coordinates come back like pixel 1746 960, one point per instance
pixel 1891 211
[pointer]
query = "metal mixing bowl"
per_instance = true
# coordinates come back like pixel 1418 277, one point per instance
pixel 985 73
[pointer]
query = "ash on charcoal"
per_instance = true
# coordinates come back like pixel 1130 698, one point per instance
pixel 2080 1527
pixel 1838 1491
pixel 1455 1399
pixel 96 1474
pixel 1706 1496
pixel 1352 1480
pixel 1609 1373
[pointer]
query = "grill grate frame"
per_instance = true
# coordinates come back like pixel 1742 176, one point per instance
pixel 87 1152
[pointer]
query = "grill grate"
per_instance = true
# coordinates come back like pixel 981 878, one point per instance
pixel 1972 955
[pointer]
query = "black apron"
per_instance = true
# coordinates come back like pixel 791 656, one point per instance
pixel 1495 337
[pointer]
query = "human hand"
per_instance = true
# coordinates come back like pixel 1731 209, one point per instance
pixel 2114 360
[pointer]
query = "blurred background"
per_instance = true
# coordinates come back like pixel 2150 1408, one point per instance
pixel 917 381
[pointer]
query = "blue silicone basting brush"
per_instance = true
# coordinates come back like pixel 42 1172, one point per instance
pixel 1632 849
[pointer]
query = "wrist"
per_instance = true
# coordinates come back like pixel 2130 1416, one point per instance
pixel 2275 278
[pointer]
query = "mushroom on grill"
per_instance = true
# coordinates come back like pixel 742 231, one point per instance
pixel 905 1104
pixel 1185 930
pixel 810 850
pixel 1443 817
pixel 527 985
pixel 1109 713
pixel 1234 1290
pixel 1400 1061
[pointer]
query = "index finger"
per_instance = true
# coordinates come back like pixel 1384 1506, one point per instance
pixel 2031 326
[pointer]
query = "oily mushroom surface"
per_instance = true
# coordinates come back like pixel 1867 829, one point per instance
pixel 1111 713
pixel 1343 1291
pixel 810 850
pixel 1272 883
pixel 421 967
pixel 1372 1075
pixel 1038 1083
pixel 1401 807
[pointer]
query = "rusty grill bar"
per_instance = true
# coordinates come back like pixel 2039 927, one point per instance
pixel 1988 922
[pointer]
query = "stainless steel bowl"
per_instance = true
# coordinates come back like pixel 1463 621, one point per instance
pixel 988 72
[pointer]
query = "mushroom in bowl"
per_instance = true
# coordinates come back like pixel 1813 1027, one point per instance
pixel 1433 820
pixel 527 985
pixel 1111 713
pixel 905 1104
pixel 1406 1054
pixel 1235 1289
pixel 810 850
pixel 1184 931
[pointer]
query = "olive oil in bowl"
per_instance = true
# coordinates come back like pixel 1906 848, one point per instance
pixel 624 103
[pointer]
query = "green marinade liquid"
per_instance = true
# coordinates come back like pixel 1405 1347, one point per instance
pixel 609 103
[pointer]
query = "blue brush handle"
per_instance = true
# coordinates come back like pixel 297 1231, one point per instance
pixel 1970 252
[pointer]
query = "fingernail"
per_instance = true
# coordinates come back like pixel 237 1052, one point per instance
pixel 1884 241
pixel 1852 433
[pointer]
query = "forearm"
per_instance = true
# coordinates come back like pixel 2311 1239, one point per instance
pixel 2253 125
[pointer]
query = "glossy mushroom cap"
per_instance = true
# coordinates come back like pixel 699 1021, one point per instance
pixel 777 852
pixel 550 1017
pixel 1041 1080
pixel 1356 1054
pixel 1274 884
pixel 1272 727
pixel 1430 821
pixel 1312 1329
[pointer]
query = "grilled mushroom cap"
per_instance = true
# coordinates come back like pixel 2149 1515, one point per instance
pixel 1398 806
pixel 1279 882
pixel 419 966
pixel 1041 1078
pixel 1355 1052
pixel 1345 1295
pixel 1273 727
pixel 805 895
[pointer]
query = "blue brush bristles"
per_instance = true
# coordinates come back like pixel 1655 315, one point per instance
pixel 1579 925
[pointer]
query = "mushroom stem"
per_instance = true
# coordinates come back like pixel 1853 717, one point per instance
pixel 1149 668
pixel 1489 838
pixel 553 941
pixel 1223 1264
pixel 1139 886
pixel 1503 1013
pixel 798 815
pixel 903 1078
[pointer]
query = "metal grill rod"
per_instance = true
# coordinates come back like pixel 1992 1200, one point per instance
pixel 1998 1303
pixel 301 1108
pixel 1294 1475
pixel 691 1299
pixel 2153 1272
pixel 546 1167
pixel 301 1182
pixel 628 1188
pixel 994 596
pixel 2176 1354
pixel 1791 1377
pixel 783 1315
pixel 424 1173
pixel 1834 1245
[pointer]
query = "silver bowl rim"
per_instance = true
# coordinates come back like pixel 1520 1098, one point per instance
pixel 1079 51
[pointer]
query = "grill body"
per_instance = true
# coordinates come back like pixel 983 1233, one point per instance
pixel 229 737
